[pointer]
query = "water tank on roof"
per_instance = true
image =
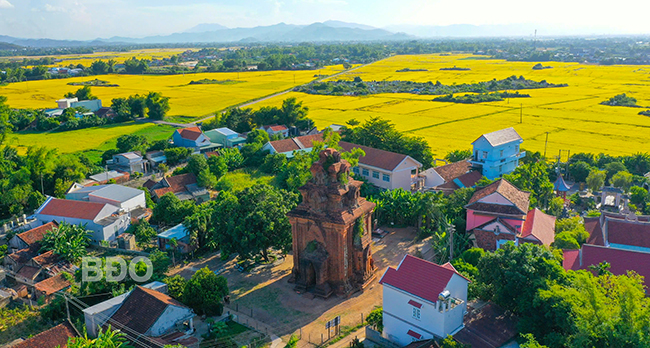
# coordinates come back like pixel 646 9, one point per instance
pixel 444 296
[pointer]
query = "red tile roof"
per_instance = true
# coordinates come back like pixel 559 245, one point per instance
pixel 297 143
pixel 418 277
pixel 628 233
pixel 52 338
pixel 190 133
pixel 149 184
pixel 141 309
pixel 519 198
pixel 275 128
pixel 72 209
pixel 28 272
pixel 592 225
pixel 377 158
pixel 539 226
pixel 36 234
pixel 22 256
pixel 53 284
pixel 451 171
pixel 470 179
pixel 178 182
pixel 621 260
pixel 414 334
pixel 46 259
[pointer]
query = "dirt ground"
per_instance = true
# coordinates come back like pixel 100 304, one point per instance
pixel 266 295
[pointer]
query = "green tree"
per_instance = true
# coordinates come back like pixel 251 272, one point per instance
pixel 197 163
pixel 458 155
pixel 555 206
pixel 639 196
pixel 613 168
pixel 253 221
pixel 131 142
pixel 291 112
pixel 622 180
pixel 67 241
pixel 206 179
pixel 143 232
pixel 375 319
pixel 579 171
pixel 258 136
pixel 534 178
pixel 108 338
pixel 171 211
pixel 513 275
pixel 596 180
pixel 176 286
pixel 82 93
pixel 157 105
pixel 99 67
pixel 137 106
pixel 205 291
pixel 176 155
pixel 218 166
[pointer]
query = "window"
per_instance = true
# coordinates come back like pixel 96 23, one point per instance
pixel 355 170
pixel 375 174
pixel 365 172
pixel 501 153
pixel 416 313
pixel 386 178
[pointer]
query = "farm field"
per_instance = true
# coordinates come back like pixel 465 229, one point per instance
pixel 92 141
pixel 571 115
pixel 188 101
pixel 119 57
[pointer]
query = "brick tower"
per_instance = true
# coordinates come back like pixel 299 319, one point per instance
pixel 331 231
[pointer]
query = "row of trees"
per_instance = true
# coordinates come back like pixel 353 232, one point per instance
pixel 559 308
pixel 291 113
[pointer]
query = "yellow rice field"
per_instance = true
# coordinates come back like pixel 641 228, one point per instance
pixel 119 57
pixel 185 100
pixel 571 115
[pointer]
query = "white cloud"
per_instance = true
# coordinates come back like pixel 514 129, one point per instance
pixel 51 8
pixel 5 4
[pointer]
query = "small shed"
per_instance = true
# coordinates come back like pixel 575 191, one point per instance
pixel 178 233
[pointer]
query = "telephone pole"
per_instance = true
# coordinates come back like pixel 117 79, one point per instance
pixel 67 307
pixel 545 144
pixel 521 113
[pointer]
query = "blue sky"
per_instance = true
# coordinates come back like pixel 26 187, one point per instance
pixel 88 19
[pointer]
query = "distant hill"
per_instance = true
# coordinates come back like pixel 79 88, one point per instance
pixel 202 28
pixel 339 24
pixel 9 46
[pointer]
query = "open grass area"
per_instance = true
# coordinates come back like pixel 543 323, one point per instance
pixel 192 101
pixel 571 115
pixel 92 141
pixel 20 322
pixel 245 178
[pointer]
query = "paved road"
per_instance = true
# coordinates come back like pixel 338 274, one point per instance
pixel 255 101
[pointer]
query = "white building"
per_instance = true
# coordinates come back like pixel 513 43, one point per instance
pixel 388 170
pixel 422 300
pixel 129 162
pixel 125 198
pixel 106 221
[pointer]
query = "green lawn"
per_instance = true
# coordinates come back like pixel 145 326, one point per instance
pixel 245 178
pixel 93 140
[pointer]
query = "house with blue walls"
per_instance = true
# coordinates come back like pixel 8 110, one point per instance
pixel 497 153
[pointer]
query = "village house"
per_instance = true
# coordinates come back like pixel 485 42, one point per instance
pixel 387 170
pixel 30 238
pixel 275 129
pixel 150 315
pixel 498 213
pixel 192 138
pixel 422 300
pixel 106 112
pixel 106 221
pixel 451 177
pixel 184 186
pixel 46 289
pixel 225 137
pixel 129 162
pixel 180 234
pixel 621 261
pixel 619 231
pixel 497 153
pixel 156 158
pixel 103 178
pixel 287 147
pixel 56 337
pixel 126 198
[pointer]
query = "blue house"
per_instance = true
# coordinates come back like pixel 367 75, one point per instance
pixel 497 153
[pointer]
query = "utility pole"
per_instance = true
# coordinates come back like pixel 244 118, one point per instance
pixel 545 144
pixel 521 114
pixel 42 190
pixel 452 229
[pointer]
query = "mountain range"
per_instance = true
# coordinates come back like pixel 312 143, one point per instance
pixel 329 31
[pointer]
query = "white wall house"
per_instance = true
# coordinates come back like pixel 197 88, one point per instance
pixel 388 170
pixel 422 300
pixel 275 130
pixel 103 219
pixel 126 198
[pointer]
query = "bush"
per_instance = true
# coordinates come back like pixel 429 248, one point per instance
pixel 473 255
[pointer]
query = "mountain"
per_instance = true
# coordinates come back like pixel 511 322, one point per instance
pixel 202 28
pixel 9 46
pixel 47 42
pixel 497 30
pixel 339 24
